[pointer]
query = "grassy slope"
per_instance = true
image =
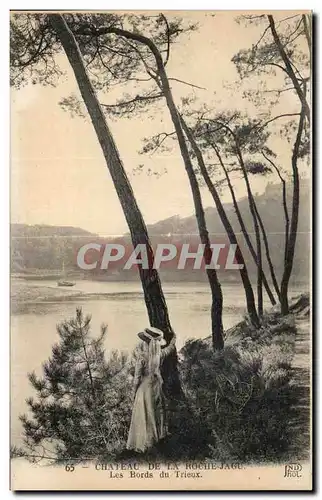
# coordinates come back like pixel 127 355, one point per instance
pixel 247 403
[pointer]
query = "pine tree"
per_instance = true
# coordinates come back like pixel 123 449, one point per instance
pixel 82 407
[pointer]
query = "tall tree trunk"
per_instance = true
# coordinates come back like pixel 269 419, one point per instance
pixel 254 217
pixel 289 68
pixel 307 32
pixel 153 294
pixel 256 229
pixel 217 298
pixel 163 82
pixel 294 218
pixel 284 202
pixel 268 254
pixel 250 300
pixel 242 224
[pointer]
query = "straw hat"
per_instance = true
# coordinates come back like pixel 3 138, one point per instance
pixel 152 333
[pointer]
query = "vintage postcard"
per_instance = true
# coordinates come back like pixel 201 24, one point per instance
pixel 161 250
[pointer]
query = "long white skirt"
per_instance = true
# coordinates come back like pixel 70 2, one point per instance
pixel 148 419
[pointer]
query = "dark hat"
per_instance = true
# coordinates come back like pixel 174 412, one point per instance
pixel 151 333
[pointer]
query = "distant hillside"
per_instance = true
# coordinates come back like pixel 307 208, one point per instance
pixel 45 231
pixel 271 210
pixel 269 204
pixel 43 248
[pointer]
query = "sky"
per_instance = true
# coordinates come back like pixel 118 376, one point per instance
pixel 58 172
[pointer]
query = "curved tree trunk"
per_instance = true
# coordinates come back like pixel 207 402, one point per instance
pixel 153 294
pixel 268 254
pixel 257 233
pixel 289 68
pixel 294 218
pixel 255 222
pixel 307 32
pixel 163 83
pixel 250 300
pixel 216 292
pixel 242 225
pixel 284 201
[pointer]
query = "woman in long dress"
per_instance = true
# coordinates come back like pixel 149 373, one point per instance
pixel 148 422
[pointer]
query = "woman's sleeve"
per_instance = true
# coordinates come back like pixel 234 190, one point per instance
pixel 169 349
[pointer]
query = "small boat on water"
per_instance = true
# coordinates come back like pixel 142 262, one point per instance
pixel 63 281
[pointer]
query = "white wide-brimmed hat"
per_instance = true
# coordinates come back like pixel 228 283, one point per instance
pixel 152 333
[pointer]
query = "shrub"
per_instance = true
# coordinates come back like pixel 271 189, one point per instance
pixel 242 395
pixel 236 406
pixel 82 406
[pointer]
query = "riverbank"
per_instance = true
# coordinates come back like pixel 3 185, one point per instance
pixel 26 293
pixel 23 293
pixel 249 402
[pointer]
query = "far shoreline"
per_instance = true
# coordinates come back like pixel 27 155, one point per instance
pixel 25 294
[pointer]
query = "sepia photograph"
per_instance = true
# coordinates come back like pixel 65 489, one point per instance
pixel 160 250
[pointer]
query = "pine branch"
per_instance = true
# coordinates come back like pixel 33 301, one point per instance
pixel 138 98
pixel 288 68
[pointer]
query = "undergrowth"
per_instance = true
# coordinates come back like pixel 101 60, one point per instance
pixel 237 402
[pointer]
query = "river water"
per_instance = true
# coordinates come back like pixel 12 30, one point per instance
pixel 121 307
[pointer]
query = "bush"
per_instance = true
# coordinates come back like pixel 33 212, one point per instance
pixel 82 406
pixel 236 403
pixel 241 396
